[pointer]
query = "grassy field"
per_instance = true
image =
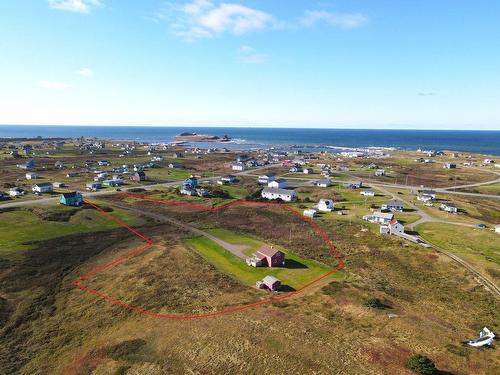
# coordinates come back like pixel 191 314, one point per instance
pixel 297 274
pixel 485 189
pixel 480 247
pixel 21 228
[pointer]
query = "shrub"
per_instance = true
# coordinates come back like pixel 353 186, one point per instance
pixel 421 365
pixel 128 350
pixel 375 303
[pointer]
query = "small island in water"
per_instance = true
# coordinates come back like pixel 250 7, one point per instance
pixel 193 137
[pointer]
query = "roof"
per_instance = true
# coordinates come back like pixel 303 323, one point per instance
pixel 268 251
pixel 278 191
pixel 449 204
pixel 383 215
pixel 393 221
pixel 43 184
pixel 324 181
pixel 270 280
pixel 278 180
pixel 72 194
pixel 395 202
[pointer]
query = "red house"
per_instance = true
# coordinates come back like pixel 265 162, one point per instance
pixel 270 257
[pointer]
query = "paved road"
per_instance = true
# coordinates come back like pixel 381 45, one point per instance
pixel 234 249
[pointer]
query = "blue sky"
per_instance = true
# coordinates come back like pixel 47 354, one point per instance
pixel 343 63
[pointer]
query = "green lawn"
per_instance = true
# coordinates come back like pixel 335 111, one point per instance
pixel 480 247
pixel 19 227
pixel 303 272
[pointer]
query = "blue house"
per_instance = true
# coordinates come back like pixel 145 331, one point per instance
pixel 71 199
pixel 190 183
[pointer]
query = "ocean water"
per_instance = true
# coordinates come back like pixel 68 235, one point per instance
pixel 484 142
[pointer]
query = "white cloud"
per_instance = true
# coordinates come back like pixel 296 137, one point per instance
pixel 342 20
pixel 206 19
pixel 53 85
pixel 249 55
pixel 86 72
pixel 78 6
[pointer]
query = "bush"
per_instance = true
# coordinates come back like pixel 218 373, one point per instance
pixel 129 350
pixel 421 365
pixel 375 303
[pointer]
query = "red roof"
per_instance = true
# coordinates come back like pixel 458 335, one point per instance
pixel 393 221
pixel 267 251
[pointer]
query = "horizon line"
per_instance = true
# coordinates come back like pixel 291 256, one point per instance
pixel 258 126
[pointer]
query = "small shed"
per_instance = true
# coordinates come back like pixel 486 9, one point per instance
pixel 269 282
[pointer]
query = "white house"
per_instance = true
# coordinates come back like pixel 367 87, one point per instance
pixel 426 195
pixel 229 178
pixel 307 171
pixel 324 183
pixel 238 167
pixel 113 182
pixel 93 186
pixel 396 227
pixel 59 184
pixel 380 172
pixel 497 228
pixel 16 192
pixel 326 205
pixel 43 187
pixel 379 217
pixel 279 183
pixel 266 179
pixel 353 184
pixel 450 166
pixel 368 193
pixel 31 176
pixel 393 205
pixel 276 193
pixel 310 212
pixel 448 207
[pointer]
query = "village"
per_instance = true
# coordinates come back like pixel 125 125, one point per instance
pixel 413 205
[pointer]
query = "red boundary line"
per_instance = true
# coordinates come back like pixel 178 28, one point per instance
pixel 149 243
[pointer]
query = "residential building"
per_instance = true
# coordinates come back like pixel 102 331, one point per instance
pixel 326 182
pixel 448 207
pixel 138 176
pixel 238 167
pixel 310 212
pixel 267 256
pixel 353 184
pixel 73 198
pixel 326 205
pixel 31 176
pixel 279 183
pixel 368 193
pixel 276 193
pixel 394 205
pixel 266 179
pixel 16 192
pixel 43 187
pixel 379 217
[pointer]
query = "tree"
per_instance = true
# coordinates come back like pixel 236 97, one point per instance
pixel 421 365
